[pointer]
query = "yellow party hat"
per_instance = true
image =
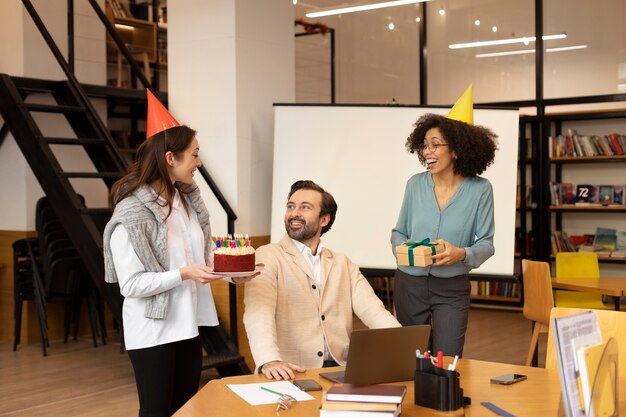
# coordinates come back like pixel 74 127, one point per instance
pixel 463 109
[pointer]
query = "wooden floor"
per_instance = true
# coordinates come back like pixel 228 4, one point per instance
pixel 77 379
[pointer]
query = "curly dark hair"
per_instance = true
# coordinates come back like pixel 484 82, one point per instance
pixel 474 146
pixel 329 206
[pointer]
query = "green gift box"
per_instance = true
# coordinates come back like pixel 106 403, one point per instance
pixel 417 253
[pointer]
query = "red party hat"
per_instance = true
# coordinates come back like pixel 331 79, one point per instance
pixel 159 119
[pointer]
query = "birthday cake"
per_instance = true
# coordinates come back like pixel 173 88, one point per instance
pixel 233 255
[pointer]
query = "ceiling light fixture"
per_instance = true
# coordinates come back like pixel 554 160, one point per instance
pixel 442 12
pixel 418 19
pixel 494 29
pixel 527 39
pixel 477 22
pixel 360 7
pixel 529 51
pixel 391 26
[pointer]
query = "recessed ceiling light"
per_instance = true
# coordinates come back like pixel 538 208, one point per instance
pixel 494 29
pixel 505 41
pixel 418 19
pixel 391 26
pixel 477 22
pixel 529 51
pixel 442 12
pixel 359 7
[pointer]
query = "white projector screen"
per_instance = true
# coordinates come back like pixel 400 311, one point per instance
pixel 358 154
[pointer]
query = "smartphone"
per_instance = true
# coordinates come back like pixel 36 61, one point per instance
pixel 508 379
pixel 307 385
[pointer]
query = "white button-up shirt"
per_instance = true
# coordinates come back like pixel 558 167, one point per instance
pixel 315 263
pixel 190 303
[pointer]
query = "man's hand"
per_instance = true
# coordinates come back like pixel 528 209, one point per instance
pixel 239 280
pixel 280 370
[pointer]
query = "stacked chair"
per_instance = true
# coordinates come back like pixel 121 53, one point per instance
pixel 49 269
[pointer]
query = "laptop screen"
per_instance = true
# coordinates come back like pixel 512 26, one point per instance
pixel 377 356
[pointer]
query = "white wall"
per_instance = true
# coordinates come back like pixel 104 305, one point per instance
pixel 225 71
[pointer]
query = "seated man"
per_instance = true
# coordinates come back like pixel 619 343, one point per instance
pixel 299 310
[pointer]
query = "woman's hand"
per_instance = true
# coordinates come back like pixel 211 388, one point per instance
pixel 450 255
pixel 240 280
pixel 199 273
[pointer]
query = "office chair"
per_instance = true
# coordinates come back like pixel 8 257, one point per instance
pixel 538 300
pixel 578 265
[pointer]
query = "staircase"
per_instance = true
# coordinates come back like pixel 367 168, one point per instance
pixel 83 225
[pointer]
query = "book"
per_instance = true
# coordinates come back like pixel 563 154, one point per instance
pixel 358 413
pixel 605 194
pixel 367 393
pixel 620 241
pixel 618 195
pixel 360 409
pixel 606 239
pixel 571 332
pixel 597 386
pixel 586 193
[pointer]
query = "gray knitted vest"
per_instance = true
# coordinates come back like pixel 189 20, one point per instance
pixel 144 220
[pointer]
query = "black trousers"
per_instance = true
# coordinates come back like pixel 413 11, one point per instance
pixel 442 302
pixel 167 376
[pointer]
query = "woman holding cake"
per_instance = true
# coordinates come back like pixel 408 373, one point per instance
pixel 451 204
pixel 158 246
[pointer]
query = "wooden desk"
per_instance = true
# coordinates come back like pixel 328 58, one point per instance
pixel 537 396
pixel 607 286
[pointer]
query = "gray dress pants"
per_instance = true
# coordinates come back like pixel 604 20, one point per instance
pixel 442 302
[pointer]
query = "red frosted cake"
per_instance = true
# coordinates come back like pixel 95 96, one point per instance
pixel 233 255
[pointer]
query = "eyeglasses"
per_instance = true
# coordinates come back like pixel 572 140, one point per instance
pixel 432 147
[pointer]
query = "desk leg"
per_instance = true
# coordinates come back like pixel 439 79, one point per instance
pixel 617 303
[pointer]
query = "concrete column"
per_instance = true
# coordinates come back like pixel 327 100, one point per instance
pixel 228 61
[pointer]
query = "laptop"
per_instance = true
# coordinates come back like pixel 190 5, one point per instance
pixel 378 356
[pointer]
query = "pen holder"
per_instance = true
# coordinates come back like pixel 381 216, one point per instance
pixel 437 388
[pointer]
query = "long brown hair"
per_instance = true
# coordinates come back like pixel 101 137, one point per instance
pixel 150 164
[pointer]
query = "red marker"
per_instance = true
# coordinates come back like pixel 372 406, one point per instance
pixel 440 359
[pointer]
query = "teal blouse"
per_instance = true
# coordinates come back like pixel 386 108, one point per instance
pixel 467 222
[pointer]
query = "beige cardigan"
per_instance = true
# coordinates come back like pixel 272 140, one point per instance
pixel 286 318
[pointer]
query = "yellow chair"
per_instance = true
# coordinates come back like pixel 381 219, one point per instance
pixel 538 299
pixel 612 324
pixel 578 265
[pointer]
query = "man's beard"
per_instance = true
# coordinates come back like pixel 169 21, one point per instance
pixel 307 232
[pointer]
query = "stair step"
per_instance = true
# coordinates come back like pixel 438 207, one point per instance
pixel 53 108
pixel 91 174
pixel 72 141
pixel 32 85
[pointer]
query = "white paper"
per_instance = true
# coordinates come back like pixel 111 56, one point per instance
pixel 570 333
pixel 254 395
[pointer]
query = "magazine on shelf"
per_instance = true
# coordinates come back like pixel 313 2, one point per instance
pixel 586 193
pixel 570 333
pixel 618 195
pixel 605 194
pixel 606 239
pixel 597 369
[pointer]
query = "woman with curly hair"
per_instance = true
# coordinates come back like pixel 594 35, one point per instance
pixel 451 204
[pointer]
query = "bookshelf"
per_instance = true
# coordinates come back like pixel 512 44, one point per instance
pixel 145 39
pixel 596 170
